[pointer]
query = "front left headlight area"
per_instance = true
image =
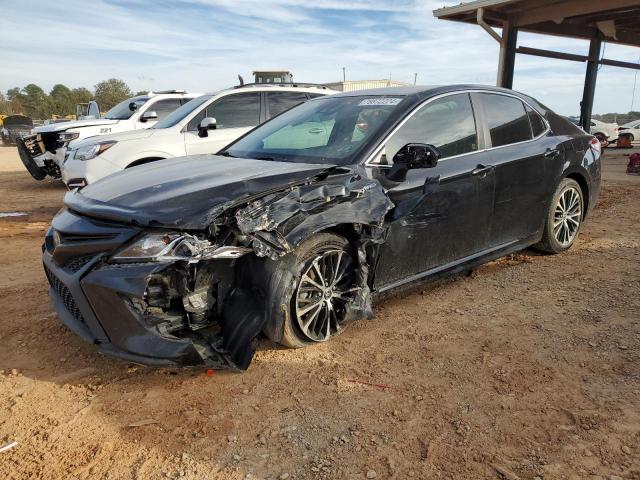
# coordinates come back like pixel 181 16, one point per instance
pixel 91 151
pixel 174 246
pixel 65 137
pixel 187 280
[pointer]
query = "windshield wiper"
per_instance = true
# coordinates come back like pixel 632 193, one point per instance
pixel 225 154
pixel 271 159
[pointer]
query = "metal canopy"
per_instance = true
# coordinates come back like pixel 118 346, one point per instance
pixel 613 21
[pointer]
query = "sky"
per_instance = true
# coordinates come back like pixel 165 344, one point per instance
pixel 202 45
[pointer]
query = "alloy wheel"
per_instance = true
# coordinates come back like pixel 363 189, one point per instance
pixel 324 290
pixel 567 216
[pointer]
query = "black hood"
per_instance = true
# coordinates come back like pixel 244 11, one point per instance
pixel 17 121
pixel 185 193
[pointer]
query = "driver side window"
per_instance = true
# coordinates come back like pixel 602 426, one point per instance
pixel 231 111
pixel 446 123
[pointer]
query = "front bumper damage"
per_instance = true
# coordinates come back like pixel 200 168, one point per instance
pixel 41 155
pixel 150 313
pixel 208 310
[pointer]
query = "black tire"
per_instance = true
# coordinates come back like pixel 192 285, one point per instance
pixel 553 240
pixel 285 282
pixel 29 163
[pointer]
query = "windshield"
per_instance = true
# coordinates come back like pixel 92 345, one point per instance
pixel 122 111
pixel 325 130
pixel 178 114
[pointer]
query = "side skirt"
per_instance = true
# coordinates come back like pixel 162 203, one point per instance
pixel 458 266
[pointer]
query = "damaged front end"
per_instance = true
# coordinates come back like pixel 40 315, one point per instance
pixel 43 153
pixel 171 297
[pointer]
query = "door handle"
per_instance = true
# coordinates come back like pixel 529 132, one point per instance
pixel 551 153
pixel 482 169
pixel 316 130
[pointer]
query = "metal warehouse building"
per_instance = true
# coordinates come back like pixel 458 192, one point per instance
pixel 353 85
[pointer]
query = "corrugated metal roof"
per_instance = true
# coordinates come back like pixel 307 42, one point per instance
pixel 354 85
pixel 614 21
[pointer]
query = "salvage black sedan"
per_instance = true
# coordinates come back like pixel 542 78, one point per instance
pixel 295 227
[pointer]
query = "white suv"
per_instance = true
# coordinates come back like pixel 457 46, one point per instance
pixel 606 133
pixel 43 152
pixel 203 125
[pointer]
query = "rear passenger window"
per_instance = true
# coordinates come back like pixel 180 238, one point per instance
pixel 447 123
pixel 281 101
pixel 236 110
pixel 537 124
pixel 507 119
pixel 164 107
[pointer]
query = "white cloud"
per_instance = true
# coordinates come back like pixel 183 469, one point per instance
pixel 201 45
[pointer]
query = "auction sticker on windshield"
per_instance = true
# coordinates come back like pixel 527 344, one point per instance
pixel 380 101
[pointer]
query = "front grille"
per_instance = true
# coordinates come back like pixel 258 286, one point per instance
pixel 70 237
pixel 76 263
pixel 65 295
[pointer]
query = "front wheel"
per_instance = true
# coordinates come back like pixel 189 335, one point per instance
pixel 321 287
pixel 564 218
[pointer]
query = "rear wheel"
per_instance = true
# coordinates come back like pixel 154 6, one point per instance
pixel 564 217
pixel 602 138
pixel 323 285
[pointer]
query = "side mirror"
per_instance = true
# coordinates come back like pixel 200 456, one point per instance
pixel 208 123
pixel 413 156
pixel 149 115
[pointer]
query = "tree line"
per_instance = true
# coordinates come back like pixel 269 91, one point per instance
pixel 34 102
pixel 620 118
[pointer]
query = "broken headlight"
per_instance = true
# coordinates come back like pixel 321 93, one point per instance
pixel 149 247
pixel 66 137
pixel 92 151
pixel 168 247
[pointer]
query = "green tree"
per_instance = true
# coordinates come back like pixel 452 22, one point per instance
pixel 111 92
pixel 61 100
pixel 13 93
pixel 5 105
pixel 35 102
pixel 81 95
pixel 15 97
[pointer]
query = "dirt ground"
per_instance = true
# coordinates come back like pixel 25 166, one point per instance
pixel 529 368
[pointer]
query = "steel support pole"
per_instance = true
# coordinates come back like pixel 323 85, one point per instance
pixel 586 106
pixel 507 61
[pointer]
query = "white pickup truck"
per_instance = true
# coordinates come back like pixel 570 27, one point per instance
pixel 203 125
pixel 43 152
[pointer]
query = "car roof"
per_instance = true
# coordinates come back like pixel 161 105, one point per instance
pixel 152 93
pixel 405 90
pixel 426 90
pixel 303 87
pixel 270 88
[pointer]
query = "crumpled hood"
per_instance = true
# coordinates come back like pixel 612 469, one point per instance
pixel 184 193
pixel 61 127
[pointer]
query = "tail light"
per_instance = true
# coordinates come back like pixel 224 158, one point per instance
pixel 595 144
